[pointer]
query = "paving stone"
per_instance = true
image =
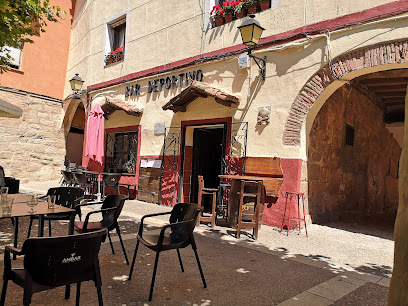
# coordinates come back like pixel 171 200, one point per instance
pixel 306 298
pixel 364 276
pixel 384 282
pixel 333 289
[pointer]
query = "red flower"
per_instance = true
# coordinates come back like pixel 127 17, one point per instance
pixel 221 13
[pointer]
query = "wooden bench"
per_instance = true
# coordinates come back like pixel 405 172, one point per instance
pixel 266 167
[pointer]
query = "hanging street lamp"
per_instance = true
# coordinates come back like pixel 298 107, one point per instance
pixel 251 32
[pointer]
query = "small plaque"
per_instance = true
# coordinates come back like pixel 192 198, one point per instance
pixel 159 128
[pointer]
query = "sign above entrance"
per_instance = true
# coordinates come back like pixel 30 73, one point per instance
pixel 173 81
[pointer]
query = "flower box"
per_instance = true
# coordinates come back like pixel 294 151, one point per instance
pixel 219 21
pixel 115 56
pixel 228 17
pixel 264 5
pixel 240 14
pixel 252 9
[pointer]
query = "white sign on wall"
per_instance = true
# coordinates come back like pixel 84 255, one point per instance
pixel 159 128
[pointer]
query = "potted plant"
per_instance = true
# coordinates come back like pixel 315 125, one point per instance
pixel 251 6
pixel 264 4
pixel 240 9
pixel 115 56
pixel 218 14
pixel 228 8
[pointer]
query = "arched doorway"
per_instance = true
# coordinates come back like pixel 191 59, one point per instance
pixel 75 138
pixel 354 149
pixel 357 100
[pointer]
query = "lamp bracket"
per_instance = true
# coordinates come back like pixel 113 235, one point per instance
pixel 258 61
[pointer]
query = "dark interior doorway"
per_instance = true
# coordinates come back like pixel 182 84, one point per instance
pixel 208 150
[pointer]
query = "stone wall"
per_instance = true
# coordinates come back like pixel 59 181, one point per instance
pixel 32 148
pixel 352 181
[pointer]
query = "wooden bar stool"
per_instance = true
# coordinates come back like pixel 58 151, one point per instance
pixel 254 223
pixel 202 191
pixel 299 218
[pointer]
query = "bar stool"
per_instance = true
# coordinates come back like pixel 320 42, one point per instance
pixel 289 196
pixel 202 191
pixel 254 223
pixel 223 194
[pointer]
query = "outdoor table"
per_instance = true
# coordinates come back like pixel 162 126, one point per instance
pixel 20 209
pixel 233 200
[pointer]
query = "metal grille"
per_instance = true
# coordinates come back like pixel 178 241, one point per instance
pixel 121 152
pixel 235 148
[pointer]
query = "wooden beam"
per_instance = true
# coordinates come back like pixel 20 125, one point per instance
pixel 390 89
pixel 384 82
pixel 396 94
pixel 176 108
pixel 223 102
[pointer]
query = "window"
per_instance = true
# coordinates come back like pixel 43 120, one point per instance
pixel 115 39
pixel 15 54
pixel 349 135
pixel 121 152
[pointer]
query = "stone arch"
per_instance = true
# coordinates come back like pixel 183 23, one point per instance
pixel 70 106
pixel 378 55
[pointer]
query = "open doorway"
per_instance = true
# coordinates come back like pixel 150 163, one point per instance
pixel 75 139
pixel 207 156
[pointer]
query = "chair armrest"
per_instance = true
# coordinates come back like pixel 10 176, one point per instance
pixel 13 250
pixel 161 237
pixel 85 227
pixel 148 216
pixel 7 258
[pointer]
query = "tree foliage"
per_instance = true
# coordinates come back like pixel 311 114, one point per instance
pixel 20 19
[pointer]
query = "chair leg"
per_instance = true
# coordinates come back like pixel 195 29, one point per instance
pixel 133 261
pixel 3 292
pixel 49 227
pixel 241 203
pixel 193 245
pixel 110 242
pixel 98 284
pixel 29 227
pixel 213 211
pixel 67 292
pixel 121 243
pixel 154 276
pixel 78 294
pixel 179 257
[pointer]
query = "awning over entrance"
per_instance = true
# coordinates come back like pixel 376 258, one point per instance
pixel 196 90
pixel 9 110
pixel 112 105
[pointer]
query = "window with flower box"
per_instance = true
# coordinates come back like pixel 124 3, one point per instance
pixel 224 11
pixel 115 40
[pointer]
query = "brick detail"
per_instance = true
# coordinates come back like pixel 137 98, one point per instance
pixel 381 54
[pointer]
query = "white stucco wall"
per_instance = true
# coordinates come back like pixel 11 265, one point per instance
pixel 162 32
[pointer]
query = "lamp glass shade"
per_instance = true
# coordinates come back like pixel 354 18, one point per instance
pixel 251 32
pixel 76 83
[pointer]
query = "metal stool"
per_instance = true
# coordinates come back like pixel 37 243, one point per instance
pixel 212 191
pixel 223 194
pixel 254 223
pixel 289 196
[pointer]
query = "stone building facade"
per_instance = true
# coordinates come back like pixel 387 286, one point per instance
pixel 320 59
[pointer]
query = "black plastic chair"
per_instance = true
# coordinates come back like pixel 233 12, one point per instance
pixel 176 235
pixel 67 178
pixel 82 180
pixel 65 196
pixel 112 206
pixel 51 262
pixel 111 180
